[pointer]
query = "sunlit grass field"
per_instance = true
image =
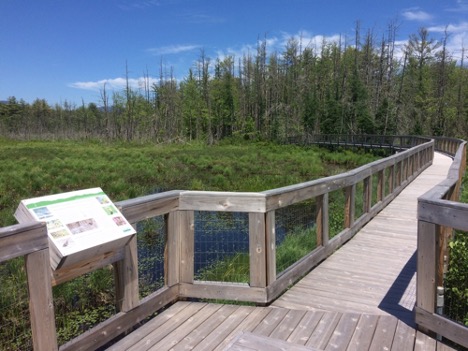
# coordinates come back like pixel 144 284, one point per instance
pixel 123 171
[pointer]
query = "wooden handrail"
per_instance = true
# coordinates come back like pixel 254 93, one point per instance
pixel 439 213
pixel 31 242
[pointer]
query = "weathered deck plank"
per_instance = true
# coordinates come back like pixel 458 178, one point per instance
pixel 360 298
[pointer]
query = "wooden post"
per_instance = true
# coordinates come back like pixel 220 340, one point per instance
pixel 349 205
pixel 380 185
pixel 257 245
pixel 367 195
pixel 410 166
pixel 404 171
pixel 321 221
pixel 391 179
pixel 426 266
pixel 270 246
pixel 41 305
pixel 172 249
pixel 126 277
pixel 187 246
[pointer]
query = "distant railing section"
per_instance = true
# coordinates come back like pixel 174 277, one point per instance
pixel 365 190
pixel 392 143
pixel 438 214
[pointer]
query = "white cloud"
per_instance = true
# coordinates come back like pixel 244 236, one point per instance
pixel 416 15
pixel 308 40
pixel 112 84
pixel 462 6
pixel 172 49
pixel 201 18
pixel 138 4
pixel 278 44
pixel 457 37
pixel 451 28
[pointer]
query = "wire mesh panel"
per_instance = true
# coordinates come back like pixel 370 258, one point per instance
pixel 388 181
pixel 456 279
pixel 295 233
pixel 151 239
pixel 359 200
pixel 15 328
pixel 222 246
pixel 398 174
pixel 83 302
pixel 336 212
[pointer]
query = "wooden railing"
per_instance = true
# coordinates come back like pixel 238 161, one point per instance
pixel 31 242
pixel 438 214
pixel 391 142
pixel 265 284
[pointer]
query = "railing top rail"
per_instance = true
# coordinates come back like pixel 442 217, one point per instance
pixel 446 138
pixel 18 229
pixel 352 176
pixel 356 137
pixel 440 190
pixel 149 206
pixel 22 239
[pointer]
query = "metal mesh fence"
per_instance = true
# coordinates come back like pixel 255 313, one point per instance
pixel 359 200
pixel 83 302
pixel 222 246
pixel 387 182
pixel 88 300
pixel 295 233
pixel 15 328
pixel 336 212
pixel 398 174
pixel 151 239
pixel 456 279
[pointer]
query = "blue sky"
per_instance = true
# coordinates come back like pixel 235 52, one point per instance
pixel 65 50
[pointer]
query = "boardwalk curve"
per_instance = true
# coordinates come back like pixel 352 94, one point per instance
pixel 360 298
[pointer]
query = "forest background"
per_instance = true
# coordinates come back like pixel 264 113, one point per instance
pixel 343 87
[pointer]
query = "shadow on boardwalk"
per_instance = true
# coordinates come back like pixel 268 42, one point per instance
pixel 394 301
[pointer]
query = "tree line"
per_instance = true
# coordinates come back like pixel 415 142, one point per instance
pixel 348 87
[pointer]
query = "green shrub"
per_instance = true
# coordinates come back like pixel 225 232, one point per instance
pixel 456 280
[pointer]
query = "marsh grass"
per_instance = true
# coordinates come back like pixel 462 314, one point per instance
pixel 295 246
pixel 235 268
pixel 295 233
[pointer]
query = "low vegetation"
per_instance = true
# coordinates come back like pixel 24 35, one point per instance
pixel 123 170
pixel 456 280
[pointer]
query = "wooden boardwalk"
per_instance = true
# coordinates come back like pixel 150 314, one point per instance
pixel 360 298
pixel 375 272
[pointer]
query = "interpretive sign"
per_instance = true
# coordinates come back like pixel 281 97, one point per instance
pixel 77 222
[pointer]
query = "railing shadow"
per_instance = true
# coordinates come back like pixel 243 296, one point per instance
pixel 400 298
